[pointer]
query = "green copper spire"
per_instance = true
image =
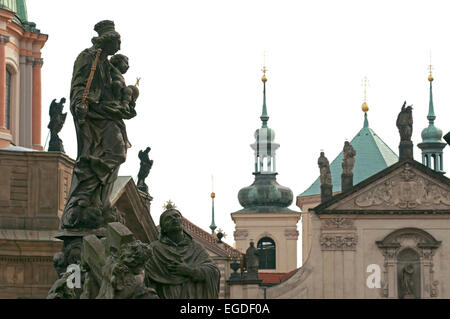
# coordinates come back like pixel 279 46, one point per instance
pixel 213 195
pixel 366 121
pixel 431 116
pixel 213 224
pixel 431 133
pixel 264 117
pixel 432 145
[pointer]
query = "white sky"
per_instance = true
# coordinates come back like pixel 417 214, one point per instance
pixel 201 90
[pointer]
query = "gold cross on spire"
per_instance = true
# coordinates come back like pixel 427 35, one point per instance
pixel 137 81
pixel 365 84
pixel 264 69
pixel 430 68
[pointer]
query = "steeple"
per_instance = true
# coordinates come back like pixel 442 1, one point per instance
pixel 265 193
pixel 264 146
pixel 213 195
pixel 432 145
pixel 264 116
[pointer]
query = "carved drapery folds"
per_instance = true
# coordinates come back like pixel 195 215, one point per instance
pixel 338 234
pixel 405 190
pixel 415 241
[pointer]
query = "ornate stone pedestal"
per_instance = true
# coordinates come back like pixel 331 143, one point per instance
pixel 347 182
pixel 326 192
pixel 406 150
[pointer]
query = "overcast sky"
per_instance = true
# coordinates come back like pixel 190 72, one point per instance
pixel 201 90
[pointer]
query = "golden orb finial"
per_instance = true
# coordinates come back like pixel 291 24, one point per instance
pixel 365 107
pixel 213 195
pixel 264 78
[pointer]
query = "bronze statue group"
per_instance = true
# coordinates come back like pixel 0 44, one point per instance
pixel 174 266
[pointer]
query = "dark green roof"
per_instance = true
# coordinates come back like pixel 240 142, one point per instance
pixel 19 7
pixel 372 156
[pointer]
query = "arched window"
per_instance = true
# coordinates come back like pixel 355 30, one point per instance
pixel 267 258
pixel 8 100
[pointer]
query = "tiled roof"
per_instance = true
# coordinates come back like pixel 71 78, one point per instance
pixel 372 156
pixel 198 232
pixel 270 278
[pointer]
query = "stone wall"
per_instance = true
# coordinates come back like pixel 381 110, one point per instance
pixel 33 191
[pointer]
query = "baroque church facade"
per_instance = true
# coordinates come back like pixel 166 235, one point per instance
pixel 386 236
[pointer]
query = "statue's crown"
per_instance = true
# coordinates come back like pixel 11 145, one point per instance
pixel 169 205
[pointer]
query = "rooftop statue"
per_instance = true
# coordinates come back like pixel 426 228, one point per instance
pixel 324 166
pixel 405 122
pixel 177 267
pixel 326 186
pixel 99 102
pixel 146 165
pixel 349 159
pixel 57 120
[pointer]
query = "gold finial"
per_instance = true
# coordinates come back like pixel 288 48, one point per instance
pixel 169 205
pixel 264 69
pixel 430 68
pixel 365 106
pixel 213 195
pixel 137 81
pixel 264 79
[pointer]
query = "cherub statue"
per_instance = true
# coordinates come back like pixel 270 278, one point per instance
pixel 126 94
pixel 123 274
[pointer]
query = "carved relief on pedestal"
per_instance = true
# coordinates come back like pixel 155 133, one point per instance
pixel 405 190
pixel 408 266
pixel 338 234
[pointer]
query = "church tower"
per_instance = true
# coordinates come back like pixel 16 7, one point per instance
pixel 432 145
pixel 265 218
pixel 20 77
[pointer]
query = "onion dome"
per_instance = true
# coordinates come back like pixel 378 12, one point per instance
pixel 431 134
pixel 265 192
